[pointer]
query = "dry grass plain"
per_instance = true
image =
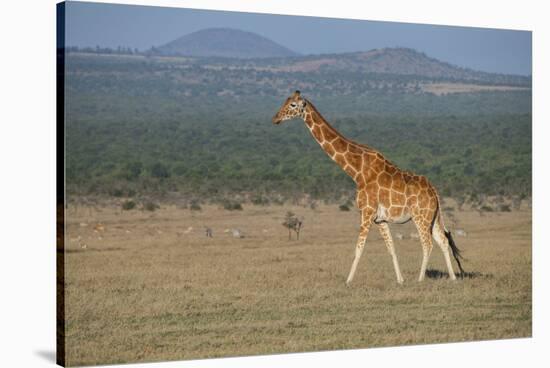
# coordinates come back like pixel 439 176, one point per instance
pixel 143 289
pixel 446 88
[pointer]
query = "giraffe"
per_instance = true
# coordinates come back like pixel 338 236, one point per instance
pixel 385 194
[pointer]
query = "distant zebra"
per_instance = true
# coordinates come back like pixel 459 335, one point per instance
pixel 237 233
pixel 293 223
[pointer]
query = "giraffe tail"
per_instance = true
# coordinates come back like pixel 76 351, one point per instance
pixel 454 249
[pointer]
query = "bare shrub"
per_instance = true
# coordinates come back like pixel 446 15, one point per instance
pixel 292 222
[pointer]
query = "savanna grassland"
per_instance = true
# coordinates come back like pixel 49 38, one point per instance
pixel 144 283
pixel 144 286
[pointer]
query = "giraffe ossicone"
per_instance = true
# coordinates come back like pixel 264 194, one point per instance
pixel 385 193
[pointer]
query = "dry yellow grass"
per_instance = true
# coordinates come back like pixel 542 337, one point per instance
pixel 145 290
pixel 446 88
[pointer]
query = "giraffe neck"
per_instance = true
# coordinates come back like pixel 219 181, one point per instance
pixel 347 154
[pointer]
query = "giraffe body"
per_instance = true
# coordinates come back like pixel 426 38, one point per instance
pixel 385 193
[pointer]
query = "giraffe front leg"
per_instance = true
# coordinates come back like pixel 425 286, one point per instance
pixel 386 235
pixel 366 217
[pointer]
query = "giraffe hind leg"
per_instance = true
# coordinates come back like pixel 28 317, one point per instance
pixel 424 230
pixel 443 242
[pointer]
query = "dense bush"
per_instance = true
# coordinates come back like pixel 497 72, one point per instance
pixel 128 205
pixel 143 132
pixel 232 206
pixel 504 208
pixel 150 206
pixel 195 206
pixel 260 200
pixel 486 208
pixel 344 207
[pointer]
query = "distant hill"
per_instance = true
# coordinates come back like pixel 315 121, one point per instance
pixel 397 61
pixel 404 62
pixel 224 42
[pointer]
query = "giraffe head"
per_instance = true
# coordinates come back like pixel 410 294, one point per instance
pixel 293 107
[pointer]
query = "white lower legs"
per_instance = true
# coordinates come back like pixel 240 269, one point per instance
pixel 424 231
pixel 443 243
pixel 366 219
pixel 426 251
pixel 386 235
pixel 358 251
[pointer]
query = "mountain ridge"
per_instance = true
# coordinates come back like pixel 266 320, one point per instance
pixel 242 49
pixel 398 61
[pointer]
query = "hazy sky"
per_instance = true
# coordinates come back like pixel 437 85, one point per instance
pixel 110 25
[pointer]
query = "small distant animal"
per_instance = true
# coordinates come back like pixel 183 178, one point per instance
pixel 399 236
pixel 461 232
pixel 99 227
pixel 208 232
pixel 237 233
pixel 79 241
pixel 293 223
